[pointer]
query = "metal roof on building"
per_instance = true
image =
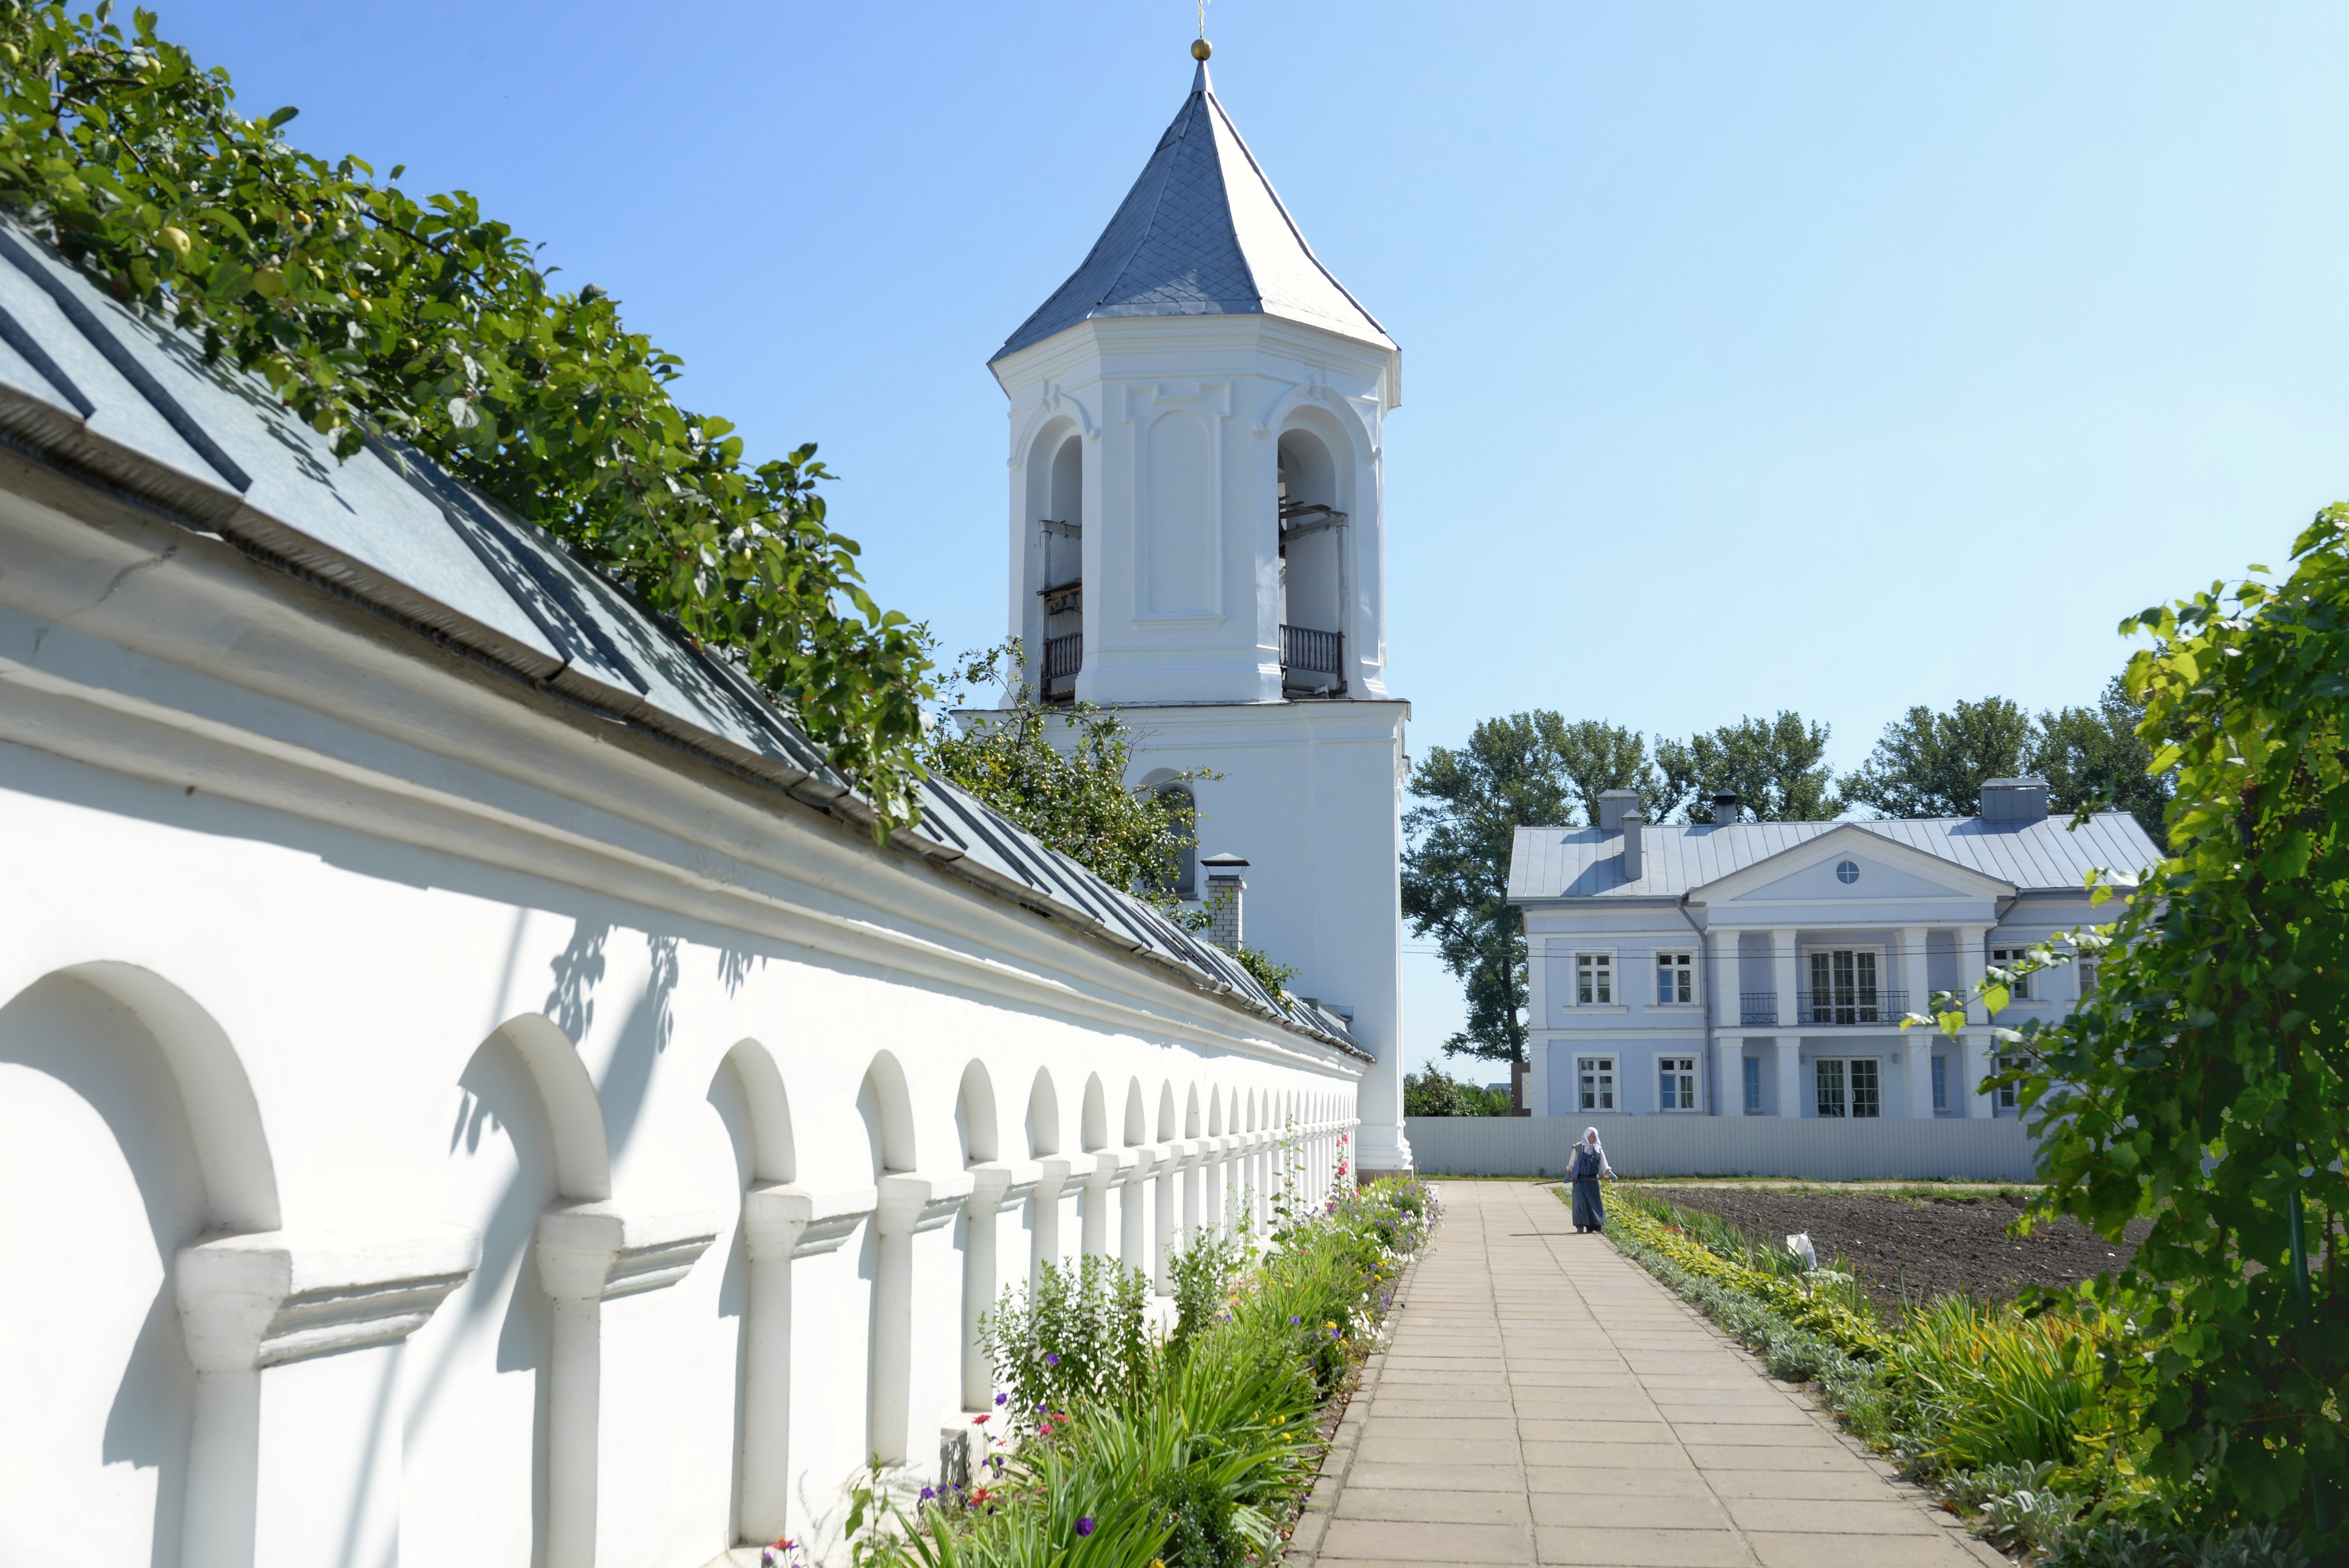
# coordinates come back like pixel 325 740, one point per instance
pixel 1202 233
pixel 1680 858
pixel 91 388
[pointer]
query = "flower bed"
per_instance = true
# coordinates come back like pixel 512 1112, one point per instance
pixel 2007 1414
pixel 1121 1449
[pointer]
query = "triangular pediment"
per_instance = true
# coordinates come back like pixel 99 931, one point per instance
pixel 1880 870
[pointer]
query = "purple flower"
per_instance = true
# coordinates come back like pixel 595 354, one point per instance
pixel 927 1493
pixel 1295 1320
pixel 1086 1526
pixel 1003 1398
pixel 1051 1359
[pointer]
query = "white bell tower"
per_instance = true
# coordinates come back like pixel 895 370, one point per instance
pixel 1197 529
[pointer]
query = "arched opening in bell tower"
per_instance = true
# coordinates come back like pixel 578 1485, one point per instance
pixel 1312 569
pixel 1056 491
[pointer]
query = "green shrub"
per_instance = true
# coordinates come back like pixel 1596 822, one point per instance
pixel 1077 1338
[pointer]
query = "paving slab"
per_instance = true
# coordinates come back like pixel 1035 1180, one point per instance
pixel 1546 1401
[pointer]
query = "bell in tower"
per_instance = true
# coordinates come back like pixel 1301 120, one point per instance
pixel 1198 529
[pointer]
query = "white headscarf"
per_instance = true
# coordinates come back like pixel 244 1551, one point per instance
pixel 1590 1142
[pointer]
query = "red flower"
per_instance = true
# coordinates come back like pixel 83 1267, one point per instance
pixel 980 1420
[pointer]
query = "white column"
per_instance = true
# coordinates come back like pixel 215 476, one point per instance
pixel 1783 975
pixel 1913 971
pixel 1729 1076
pixel 1973 957
pixel 1538 1076
pixel 1136 1168
pixel 1790 1072
pixel 1916 1053
pixel 782 1222
pixel 1726 1011
pixel 266 1313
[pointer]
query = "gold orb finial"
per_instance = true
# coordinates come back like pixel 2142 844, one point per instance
pixel 1201 49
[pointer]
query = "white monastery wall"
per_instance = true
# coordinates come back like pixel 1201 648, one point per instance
pixel 445 1129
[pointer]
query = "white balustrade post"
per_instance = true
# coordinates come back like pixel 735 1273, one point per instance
pixel 323 1444
pixel 1044 1218
pixel 908 1204
pixel 780 1222
pixel 589 1253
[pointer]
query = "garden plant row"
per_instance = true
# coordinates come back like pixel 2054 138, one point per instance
pixel 1116 1446
pixel 2005 1410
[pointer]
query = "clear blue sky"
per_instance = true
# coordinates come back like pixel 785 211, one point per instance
pixel 1831 358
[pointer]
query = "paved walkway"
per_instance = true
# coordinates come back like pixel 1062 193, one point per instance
pixel 1546 1401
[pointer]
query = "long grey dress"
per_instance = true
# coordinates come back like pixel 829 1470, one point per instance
pixel 1589 1211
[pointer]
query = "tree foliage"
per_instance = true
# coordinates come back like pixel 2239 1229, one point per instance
pixel 1435 1092
pixel 1777 768
pixel 1525 769
pixel 1932 764
pixel 1061 772
pixel 373 312
pixel 2093 759
pixel 2205 1080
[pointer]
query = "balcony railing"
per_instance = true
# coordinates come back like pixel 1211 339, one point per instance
pixel 1304 652
pixel 1063 657
pixel 1853 1008
pixel 1757 1007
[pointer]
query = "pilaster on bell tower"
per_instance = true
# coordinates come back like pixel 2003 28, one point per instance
pixel 1196 424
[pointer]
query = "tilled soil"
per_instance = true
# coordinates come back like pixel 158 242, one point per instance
pixel 1939 1246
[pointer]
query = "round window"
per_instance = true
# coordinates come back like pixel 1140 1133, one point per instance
pixel 1846 870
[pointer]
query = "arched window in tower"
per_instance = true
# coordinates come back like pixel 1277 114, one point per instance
pixel 1178 802
pixel 1060 556
pixel 1312 570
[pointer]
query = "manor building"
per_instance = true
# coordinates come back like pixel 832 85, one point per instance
pixel 1737 968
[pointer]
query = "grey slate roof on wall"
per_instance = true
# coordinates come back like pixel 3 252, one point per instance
pixel 1679 858
pixel 1202 233
pixel 91 388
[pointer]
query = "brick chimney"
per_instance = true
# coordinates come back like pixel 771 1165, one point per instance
pixel 1225 886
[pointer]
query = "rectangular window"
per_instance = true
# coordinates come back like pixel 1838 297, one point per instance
pixel 1676 1084
pixel 2088 973
pixel 2003 956
pixel 1753 1086
pixel 1596 1076
pixel 1594 979
pixel 1940 1083
pixel 1675 978
pixel 1843 986
pixel 1850 1085
pixel 2006 1095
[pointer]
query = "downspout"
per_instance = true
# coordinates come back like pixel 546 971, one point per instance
pixel 1711 1045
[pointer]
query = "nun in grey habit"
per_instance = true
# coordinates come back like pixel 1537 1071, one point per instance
pixel 1589 1165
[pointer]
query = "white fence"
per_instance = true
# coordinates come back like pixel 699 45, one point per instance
pixel 1981 1150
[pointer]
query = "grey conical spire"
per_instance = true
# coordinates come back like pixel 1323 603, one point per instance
pixel 1201 233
